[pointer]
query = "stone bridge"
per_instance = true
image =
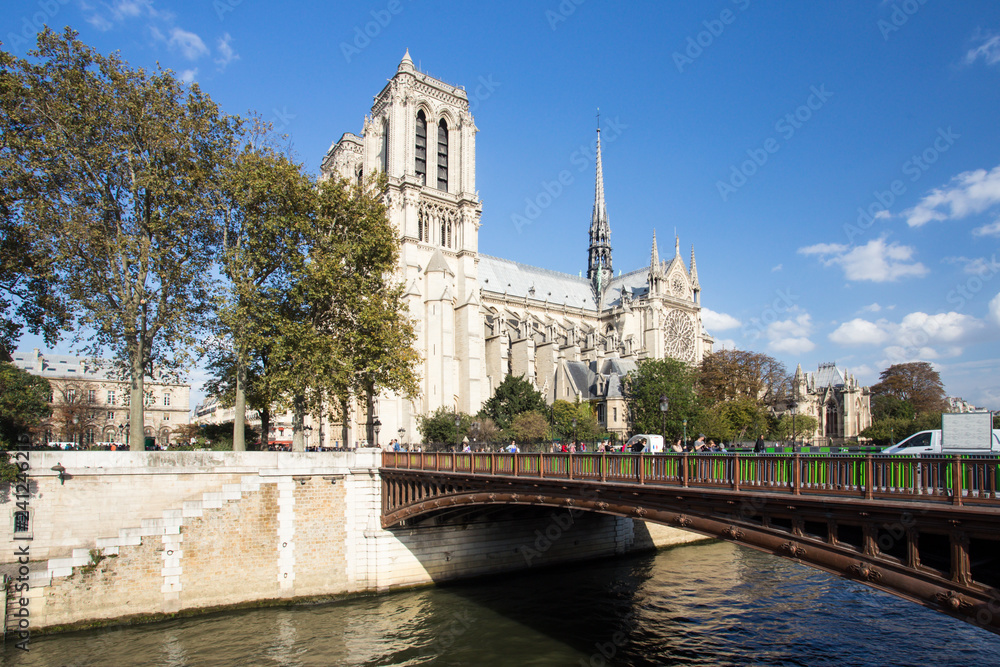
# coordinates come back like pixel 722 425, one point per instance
pixel 925 529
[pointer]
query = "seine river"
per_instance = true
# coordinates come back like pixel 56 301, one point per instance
pixel 707 604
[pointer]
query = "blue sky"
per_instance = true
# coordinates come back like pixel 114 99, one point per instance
pixel 835 165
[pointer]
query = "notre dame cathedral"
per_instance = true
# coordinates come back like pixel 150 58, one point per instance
pixel 479 318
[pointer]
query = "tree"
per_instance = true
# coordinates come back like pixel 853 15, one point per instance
pixel 512 397
pixel 915 382
pixel 438 428
pixel 29 294
pixel 24 403
pixel 661 377
pixel 484 430
pixel 804 425
pixel 729 375
pixel 746 418
pixel 269 206
pixel 368 310
pixel 888 406
pixel 127 172
pixel 530 426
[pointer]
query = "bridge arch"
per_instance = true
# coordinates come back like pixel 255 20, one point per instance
pixel 942 554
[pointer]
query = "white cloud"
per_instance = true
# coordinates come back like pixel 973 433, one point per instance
pixel 100 23
pixel 871 308
pixel 968 193
pixel 824 249
pixel 714 321
pixel 995 309
pixel 791 336
pixel 859 332
pixel 992 229
pixel 988 50
pixel 226 52
pixel 190 45
pixel 876 261
pixel 941 328
pixel 725 344
pixel 776 268
pixel 188 75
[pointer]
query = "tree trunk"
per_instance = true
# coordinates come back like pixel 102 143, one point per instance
pixel 298 424
pixel 136 414
pixel 240 409
pixel 370 418
pixel 265 428
pixel 344 429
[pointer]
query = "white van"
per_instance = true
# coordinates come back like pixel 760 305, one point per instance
pixel 930 442
pixel 654 443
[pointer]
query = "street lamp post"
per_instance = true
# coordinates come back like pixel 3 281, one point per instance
pixel 664 406
pixel 378 426
pixel 792 406
pixel 574 431
pixel 685 422
pixel 401 432
pixel 458 422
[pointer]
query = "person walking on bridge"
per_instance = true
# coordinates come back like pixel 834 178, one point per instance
pixel 758 447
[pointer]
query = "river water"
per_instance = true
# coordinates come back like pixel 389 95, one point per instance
pixel 706 604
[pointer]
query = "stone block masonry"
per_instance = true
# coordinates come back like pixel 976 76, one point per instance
pixel 135 535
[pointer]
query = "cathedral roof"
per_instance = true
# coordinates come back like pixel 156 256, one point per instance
pixel 828 375
pixel 504 276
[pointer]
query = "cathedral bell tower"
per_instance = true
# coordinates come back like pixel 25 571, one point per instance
pixel 599 270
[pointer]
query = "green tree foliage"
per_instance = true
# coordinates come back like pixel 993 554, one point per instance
pixel 439 431
pixel 888 406
pixel 269 206
pixel 805 425
pixel 24 403
pixel 127 169
pixel 713 422
pixel 731 375
pixel 915 382
pixel 512 397
pixel 746 418
pixel 29 293
pixel 367 308
pixel 587 427
pixel 484 431
pixel 661 377
pixel 529 427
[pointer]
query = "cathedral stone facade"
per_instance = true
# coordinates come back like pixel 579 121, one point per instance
pixel 479 318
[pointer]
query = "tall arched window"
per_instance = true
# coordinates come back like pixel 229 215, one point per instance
pixel 385 146
pixel 442 183
pixel 420 164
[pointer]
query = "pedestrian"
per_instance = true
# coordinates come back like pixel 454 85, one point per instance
pixel 758 447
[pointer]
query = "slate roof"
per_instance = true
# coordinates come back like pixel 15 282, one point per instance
pixel 517 280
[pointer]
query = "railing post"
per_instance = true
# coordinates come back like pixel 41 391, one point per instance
pixel 541 464
pixel 796 474
pixel 493 463
pixel 684 468
pixel 869 477
pixel 736 472
pixel 454 463
pixel 437 461
pixel 640 461
pixel 513 465
pixel 569 466
pixel 604 466
pixel 956 480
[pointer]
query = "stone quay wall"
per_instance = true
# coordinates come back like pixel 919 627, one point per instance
pixel 132 535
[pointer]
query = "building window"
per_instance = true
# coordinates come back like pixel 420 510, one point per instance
pixel 442 173
pixel 166 416
pixel 420 162
pixel 92 396
pixel 22 521
pixel 89 436
pixel 385 146
pixel 614 415
pixel 71 395
pixel 111 415
pixel 149 398
pixel 111 397
pixel 166 398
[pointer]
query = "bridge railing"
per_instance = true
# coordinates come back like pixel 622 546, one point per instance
pixel 967 479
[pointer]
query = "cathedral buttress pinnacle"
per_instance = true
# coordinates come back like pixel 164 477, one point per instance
pixel 599 269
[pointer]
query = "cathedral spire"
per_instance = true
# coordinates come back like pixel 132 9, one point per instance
pixel 599 269
pixel 694 271
pixel 654 258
